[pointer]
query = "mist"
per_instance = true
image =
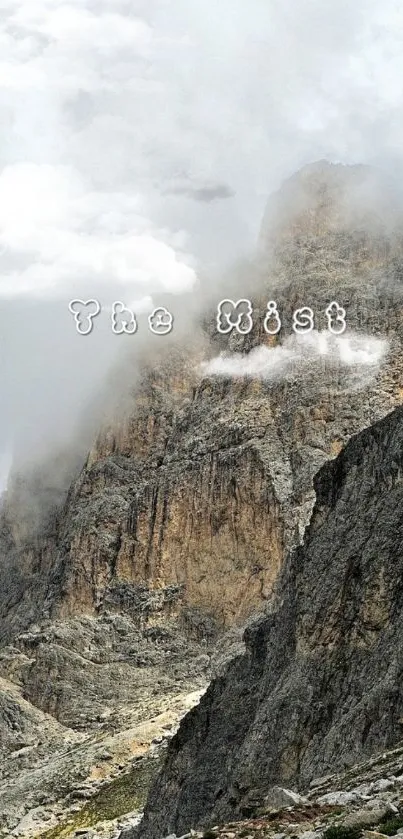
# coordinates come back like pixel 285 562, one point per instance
pixel 356 352
pixel 140 142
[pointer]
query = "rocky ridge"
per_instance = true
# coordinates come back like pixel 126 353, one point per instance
pixel 320 684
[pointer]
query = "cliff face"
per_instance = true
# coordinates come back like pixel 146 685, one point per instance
pixel 207 482
pixel 321 684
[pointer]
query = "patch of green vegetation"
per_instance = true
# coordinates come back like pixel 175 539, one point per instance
pixel 209 834
pixel 339 831
pixel 120 796
pixel 390 826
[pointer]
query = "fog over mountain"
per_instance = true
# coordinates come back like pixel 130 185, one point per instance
pixel 139 144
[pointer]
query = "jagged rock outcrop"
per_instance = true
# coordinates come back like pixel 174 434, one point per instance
pixel 320 686
pixel 206 482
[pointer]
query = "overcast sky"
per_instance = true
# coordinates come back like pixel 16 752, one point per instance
pixel 139 140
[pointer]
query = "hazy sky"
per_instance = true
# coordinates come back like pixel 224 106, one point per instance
pixel 139 140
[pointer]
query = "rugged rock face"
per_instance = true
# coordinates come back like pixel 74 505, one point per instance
pixel 206 482
pixel 321 684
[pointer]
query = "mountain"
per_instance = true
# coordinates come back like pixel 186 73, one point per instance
pixel 320 686
pixel 122 572
pixel 206 481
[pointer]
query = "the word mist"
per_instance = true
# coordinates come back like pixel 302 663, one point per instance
pixel 238 316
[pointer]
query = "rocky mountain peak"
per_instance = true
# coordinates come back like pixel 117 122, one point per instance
pixel 325 197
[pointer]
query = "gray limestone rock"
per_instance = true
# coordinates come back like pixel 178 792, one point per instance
pixel 321 684
pixel 278 797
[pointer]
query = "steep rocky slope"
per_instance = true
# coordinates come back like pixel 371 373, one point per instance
pixel 321 684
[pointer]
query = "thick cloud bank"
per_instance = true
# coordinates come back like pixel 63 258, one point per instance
pixel 139 142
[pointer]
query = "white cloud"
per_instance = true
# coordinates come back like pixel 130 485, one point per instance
pixel 59 228
pixel 128 100
pixel 68 235
pixel 300 352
